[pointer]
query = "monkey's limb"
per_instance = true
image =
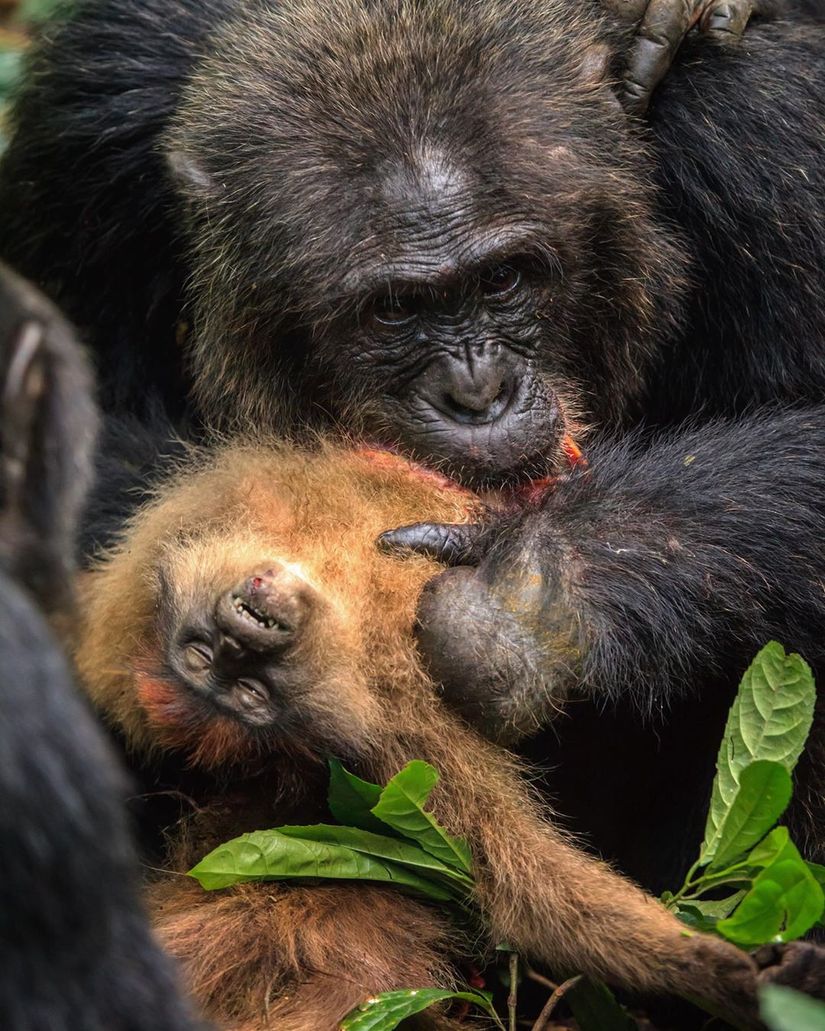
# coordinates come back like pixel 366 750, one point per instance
pixel 299 959
pixel 556 904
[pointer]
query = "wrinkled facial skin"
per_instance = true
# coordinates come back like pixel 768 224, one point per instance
pixel 403 227
pixel 446 335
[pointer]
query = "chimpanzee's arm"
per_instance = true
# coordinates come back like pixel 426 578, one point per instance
pixel 667 562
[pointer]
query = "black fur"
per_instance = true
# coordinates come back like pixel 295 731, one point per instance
pixel 77 951
pixel 684 556
pixel 735 143
pixel 96 122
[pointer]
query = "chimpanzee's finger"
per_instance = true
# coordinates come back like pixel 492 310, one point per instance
pixel 726 21
pixel 454 544
pixel 662 28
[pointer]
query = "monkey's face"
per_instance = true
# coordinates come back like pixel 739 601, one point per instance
pixel 250 657
pixel 277 626
pixel 427 222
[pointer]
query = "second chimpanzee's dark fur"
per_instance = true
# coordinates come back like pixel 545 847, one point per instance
pixel 77 951
pixel 257 176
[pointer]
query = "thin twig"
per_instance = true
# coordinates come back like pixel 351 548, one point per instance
pixel 553 1001
pixel 512 998
pixel 534 975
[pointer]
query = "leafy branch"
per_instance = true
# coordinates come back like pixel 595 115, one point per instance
pixel 775 896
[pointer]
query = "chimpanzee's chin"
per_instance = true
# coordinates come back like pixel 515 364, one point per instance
pixel 497 468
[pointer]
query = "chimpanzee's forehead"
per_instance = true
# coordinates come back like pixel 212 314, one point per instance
pixel 429 217
pixel 428 174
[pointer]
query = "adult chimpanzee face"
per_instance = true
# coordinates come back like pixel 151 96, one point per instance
pixel 466 389
pixel 443 244
pixel 445 338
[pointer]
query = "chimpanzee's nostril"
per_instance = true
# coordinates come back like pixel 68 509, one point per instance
pixel 486 401
pixel 472 390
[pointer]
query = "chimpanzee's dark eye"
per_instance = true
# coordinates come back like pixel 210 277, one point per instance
pixel 395 309
pixel 499 281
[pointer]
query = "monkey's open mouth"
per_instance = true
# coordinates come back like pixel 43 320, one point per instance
pixel 255 616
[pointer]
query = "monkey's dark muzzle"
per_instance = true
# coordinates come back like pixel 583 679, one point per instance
pixel 241 658
pixel 265 612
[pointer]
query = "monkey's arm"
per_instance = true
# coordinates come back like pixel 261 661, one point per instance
pixel 555 903
pixel 666 562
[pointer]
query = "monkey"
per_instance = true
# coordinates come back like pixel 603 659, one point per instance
pixel 247 621
pixel 78 954
pixel 432 224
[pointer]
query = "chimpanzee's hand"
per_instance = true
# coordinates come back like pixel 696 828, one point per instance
pixel 661 25
pixel 494 630
pixel 799 965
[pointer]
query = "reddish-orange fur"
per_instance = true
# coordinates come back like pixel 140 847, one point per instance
pixel 298 958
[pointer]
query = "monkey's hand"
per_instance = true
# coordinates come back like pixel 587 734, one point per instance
pixel 495 630
pixel 661 25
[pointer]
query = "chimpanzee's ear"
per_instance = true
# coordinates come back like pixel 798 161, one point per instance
pixel 597 69
pixel 48 423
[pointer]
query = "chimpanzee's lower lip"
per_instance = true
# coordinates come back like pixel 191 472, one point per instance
pixel 476 471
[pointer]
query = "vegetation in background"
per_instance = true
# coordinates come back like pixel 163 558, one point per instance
pixel 16 18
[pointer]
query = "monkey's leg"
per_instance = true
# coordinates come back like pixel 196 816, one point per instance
pixel 298 958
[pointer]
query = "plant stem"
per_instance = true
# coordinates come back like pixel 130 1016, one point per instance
pixel 693 888
pixel 512 998
pixel 553 1001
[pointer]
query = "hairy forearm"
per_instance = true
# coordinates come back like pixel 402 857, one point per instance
pixel 674 557
pixel 549 899
pixel 669 562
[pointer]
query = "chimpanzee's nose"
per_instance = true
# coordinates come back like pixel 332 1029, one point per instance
pixel 478 390
pixel 265 612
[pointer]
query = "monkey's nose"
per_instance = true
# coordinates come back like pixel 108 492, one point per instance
pixel 266 611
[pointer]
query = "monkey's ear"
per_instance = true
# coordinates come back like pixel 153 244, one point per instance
pixel 191 178
pixel 48 423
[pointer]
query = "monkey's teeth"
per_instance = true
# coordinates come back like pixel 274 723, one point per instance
pixel 253 615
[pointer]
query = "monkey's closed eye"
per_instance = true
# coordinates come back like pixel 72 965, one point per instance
pixel 395 309
pixel 198 657
pixel 500 281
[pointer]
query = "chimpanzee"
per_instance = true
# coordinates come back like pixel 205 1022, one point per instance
pixel 77 951
pixel 433 225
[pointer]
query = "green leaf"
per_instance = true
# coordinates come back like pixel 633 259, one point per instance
pixel 818 872
pixel 783 1009
pixel 272 856
pixel 760 798
pixel 784 902
pixel 379 846
pixel 386 1011
pixel 595 1008
pixel 401 807
pixel 759 917
pixel 350 799
pixel 770 719
pixel 703 915
pixel 769 849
